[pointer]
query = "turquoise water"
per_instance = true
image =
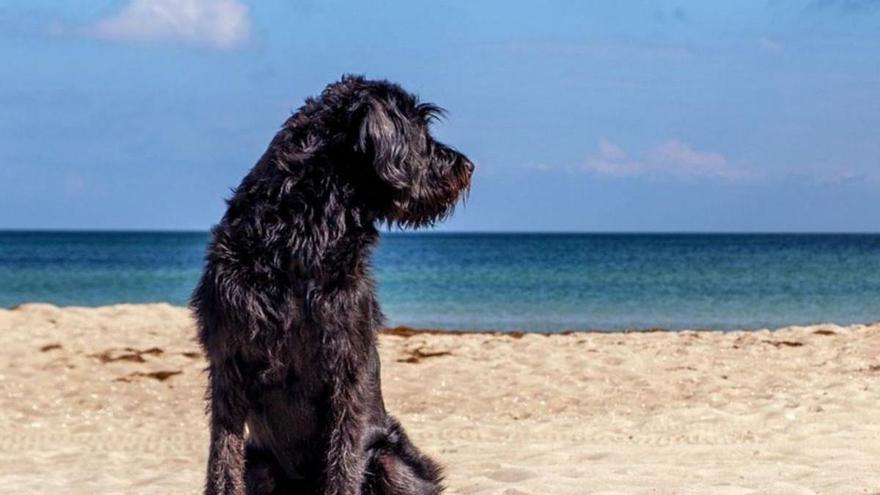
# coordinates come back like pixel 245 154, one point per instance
pixel 542 282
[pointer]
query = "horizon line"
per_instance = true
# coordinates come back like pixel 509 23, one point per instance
pixel 458 232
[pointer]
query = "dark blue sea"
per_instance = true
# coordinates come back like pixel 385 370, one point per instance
pixel 536 282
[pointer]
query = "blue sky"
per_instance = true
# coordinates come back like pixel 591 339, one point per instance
pixel 581 116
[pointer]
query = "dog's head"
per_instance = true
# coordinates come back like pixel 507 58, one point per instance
pixel 405 175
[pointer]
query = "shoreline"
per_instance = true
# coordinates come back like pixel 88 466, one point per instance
pixel 111 400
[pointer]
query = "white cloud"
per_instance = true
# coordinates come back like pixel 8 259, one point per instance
pixel 215 23
pixel 670 158
pixel 613 161
pixel 770 45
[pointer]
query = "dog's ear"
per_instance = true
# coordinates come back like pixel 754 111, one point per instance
pixel 387 137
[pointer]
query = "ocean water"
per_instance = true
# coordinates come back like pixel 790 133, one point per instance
pixel 534 282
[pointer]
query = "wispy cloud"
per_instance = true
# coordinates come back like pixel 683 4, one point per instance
pixel 671 158
pixel 213 23
pixel 833 175
pixel 770 45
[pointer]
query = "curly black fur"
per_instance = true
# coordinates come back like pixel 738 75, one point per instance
pixel 287 308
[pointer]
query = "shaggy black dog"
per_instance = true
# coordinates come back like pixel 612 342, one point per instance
pixel 287 307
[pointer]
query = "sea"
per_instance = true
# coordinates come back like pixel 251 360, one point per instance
pixel 503 281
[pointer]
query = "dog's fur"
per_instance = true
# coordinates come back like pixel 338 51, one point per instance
pixel 287 307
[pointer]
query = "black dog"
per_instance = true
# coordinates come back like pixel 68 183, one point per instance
pixel 287 305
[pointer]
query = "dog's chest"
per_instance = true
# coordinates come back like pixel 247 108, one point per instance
pixel 288 358
pixel 325 328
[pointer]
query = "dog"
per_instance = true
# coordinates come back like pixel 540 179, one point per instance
pixel 286 307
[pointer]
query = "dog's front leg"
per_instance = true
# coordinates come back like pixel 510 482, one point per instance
pixel 346 463
pixel 226 460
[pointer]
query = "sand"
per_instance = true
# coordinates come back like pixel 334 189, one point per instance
pixel 109 400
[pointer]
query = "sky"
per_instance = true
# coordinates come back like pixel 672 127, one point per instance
pixel 580 116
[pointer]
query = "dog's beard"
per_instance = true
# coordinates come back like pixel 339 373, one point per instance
pixel 434 198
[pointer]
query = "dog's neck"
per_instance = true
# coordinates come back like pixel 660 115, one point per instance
pixel 304 214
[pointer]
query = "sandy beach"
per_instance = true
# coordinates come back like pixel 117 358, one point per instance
pixel 109 400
